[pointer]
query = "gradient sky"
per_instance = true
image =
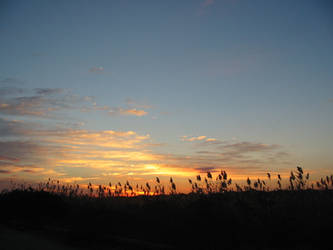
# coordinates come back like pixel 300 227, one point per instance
pixel 107 90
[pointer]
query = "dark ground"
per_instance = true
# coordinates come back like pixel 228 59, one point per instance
pixel 232 220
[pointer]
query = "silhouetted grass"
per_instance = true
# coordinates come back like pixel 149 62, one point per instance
pixel 216 214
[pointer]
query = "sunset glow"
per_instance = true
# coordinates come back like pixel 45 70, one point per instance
pixel 164 89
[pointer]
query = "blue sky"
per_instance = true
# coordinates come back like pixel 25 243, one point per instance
pixel 232 70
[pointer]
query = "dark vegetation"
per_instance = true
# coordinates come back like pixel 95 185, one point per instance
pixel 214 215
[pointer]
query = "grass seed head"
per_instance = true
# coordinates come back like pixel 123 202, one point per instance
pixel 299 169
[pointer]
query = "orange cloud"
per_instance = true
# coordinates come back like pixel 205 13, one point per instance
pixel 201 138
pixel 135 112
pixel 4 158
pixel 120 153
pixel 120 111
pixel 34 149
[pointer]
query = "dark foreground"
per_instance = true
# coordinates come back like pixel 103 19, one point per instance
pixel 232 220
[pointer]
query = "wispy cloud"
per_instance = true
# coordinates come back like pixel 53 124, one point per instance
pixel 99 69
pixel 27 145
pixel 245 147
pixel 41 151
pixel 14 127
pixel 4 91
pixel 40 148
pixel 198 138
pixel 6 158
pixel 24 152
pixel 132 109
pixel 31 147
pixel 35 147
pixel 133 103
pixel 48 102
pixel 40 102
pixel 33 106
pixel 127 111
pixel 48 91
pixel 201 138
pixel 237 158
pixel 11 81
pixel 40 105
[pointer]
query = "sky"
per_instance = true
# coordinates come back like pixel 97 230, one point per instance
pixel 99 91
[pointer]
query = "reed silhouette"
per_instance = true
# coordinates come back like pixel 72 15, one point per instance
pixel 276 213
